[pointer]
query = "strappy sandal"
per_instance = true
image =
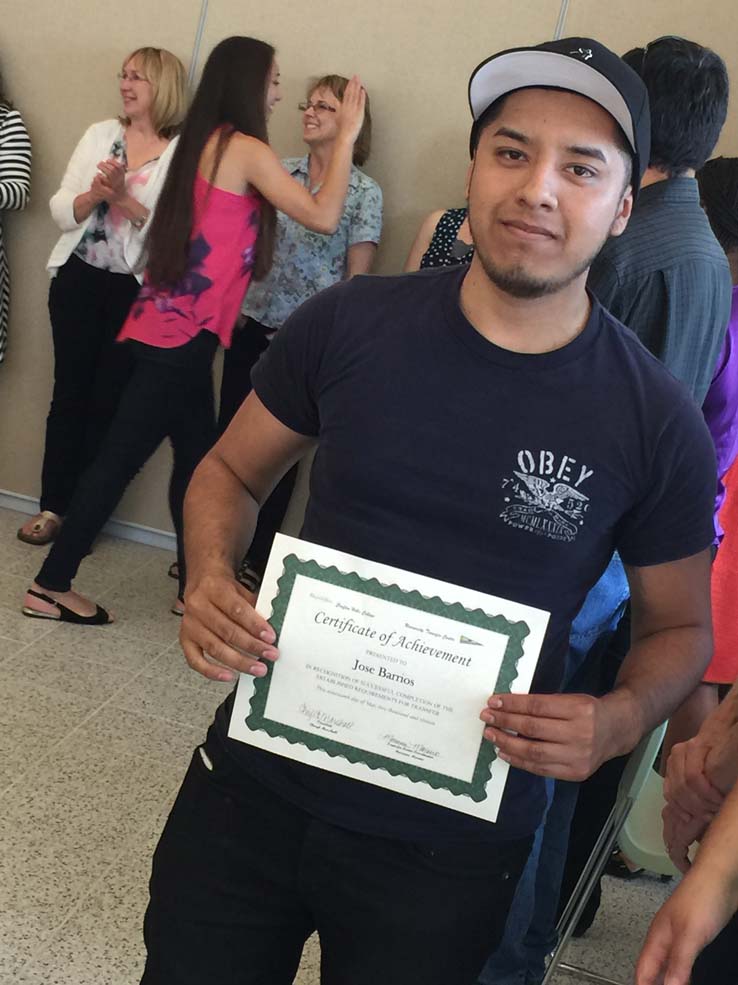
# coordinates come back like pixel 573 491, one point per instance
pixel 178 607
pixel 46 526
pixel 100 617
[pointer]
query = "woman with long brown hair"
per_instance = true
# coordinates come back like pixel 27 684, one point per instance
pixel 303 265
pixel 212 232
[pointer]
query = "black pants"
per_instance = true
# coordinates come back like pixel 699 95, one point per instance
pixel 249 342
pixel 87 307
pixel 241 878
pixel 161 400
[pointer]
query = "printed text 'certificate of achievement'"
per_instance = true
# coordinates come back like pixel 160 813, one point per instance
pixel 382 675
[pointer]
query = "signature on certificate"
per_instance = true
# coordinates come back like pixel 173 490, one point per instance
pixel 416 749
pixel 315 715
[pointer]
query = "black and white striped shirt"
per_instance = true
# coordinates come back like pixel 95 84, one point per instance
pixel 15 185
pixel 15 160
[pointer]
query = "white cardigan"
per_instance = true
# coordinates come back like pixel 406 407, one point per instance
pixel 95 147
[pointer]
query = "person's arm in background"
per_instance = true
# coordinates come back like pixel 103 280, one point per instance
pixel 15 163
pixel 360 259
pixel 698 775
pixel 700 907
pixel 322 210
pixel 364 207
pixel 422 241
pixel 687 720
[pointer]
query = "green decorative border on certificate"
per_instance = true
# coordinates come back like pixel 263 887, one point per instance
pixel 516 632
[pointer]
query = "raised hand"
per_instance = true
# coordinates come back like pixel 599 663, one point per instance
pixel 351 111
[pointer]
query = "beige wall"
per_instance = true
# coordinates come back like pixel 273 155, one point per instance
pixel 60 58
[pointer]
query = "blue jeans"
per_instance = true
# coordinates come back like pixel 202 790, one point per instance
pixel 530 931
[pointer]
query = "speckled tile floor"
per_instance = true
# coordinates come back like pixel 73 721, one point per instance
pixel 96 730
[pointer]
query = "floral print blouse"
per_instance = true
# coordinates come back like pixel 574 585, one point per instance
pixel 306 262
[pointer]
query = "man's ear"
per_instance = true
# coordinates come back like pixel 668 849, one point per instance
pixel 624 212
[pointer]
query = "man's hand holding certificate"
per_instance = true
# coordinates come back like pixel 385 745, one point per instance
pixel 382 674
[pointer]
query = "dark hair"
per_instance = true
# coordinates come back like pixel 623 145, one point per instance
pixel 231 95
pixel 718 181
pixel 494 109
pixel 337 85
pixel 688 92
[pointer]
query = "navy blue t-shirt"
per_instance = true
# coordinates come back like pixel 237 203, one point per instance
pixel 513 474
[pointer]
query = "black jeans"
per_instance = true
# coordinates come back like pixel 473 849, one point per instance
pixel 241 878
pixel 87 307
pixel 161 400
pixel 249 342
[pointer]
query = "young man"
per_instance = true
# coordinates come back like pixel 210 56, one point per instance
pixel 667 279
pixel 449 409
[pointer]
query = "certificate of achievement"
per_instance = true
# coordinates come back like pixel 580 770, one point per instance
pixel 382 675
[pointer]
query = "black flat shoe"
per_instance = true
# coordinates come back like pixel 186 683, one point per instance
pixel 99 618
pixel 617 867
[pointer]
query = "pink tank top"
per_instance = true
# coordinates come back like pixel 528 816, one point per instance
pixel 209 296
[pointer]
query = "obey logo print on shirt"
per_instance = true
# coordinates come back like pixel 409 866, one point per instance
pixel 543 495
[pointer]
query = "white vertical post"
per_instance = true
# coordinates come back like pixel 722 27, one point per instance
pixel 198 42
pixel 561 22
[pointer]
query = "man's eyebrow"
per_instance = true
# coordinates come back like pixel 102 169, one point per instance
pixel 512 135
pixel 587 152
pixel 578 149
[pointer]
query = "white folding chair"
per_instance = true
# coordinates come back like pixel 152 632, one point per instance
pixel 633 781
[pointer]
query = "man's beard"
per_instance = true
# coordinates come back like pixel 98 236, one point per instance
pixel 520 283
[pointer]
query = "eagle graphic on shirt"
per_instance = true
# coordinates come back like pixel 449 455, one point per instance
pixel 545 506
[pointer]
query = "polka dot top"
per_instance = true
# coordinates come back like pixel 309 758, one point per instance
pixel 445 248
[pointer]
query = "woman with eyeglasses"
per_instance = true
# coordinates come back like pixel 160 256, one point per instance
pixel 213 229
pixel 103 207
pixel 305 262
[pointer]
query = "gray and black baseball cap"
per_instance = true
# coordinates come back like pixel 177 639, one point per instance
pixel 578 65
